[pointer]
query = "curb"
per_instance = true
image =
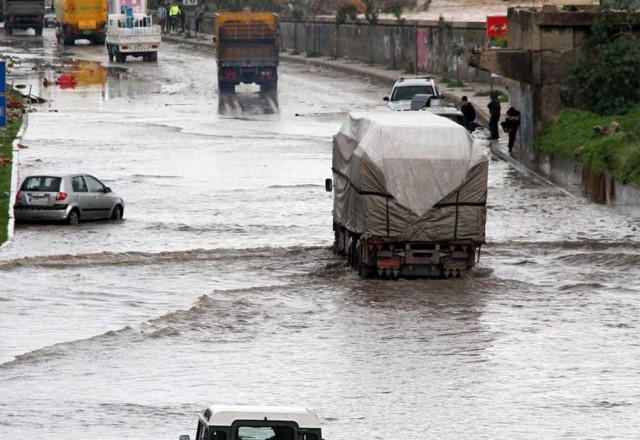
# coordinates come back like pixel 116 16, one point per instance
pixel 15 175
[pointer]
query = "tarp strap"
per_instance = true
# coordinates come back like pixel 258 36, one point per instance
pixel 364 193
pixel 455 230
pixel 456 204
pixel 387 217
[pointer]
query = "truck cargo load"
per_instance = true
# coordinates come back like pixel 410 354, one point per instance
pixel 410 192
pixel 247 49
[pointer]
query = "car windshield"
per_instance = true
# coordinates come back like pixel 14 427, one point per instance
pixel 408 92
pixel 41 183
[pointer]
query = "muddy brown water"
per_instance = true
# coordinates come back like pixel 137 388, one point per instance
pixel 220 287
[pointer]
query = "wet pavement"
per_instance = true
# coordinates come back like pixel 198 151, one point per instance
pixel 220 287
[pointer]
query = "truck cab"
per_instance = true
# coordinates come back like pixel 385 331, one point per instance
pixel 237 422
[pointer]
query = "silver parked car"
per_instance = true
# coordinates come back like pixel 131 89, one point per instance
pixel 66 198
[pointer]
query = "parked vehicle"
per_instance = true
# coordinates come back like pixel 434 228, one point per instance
pixel 436 106
pixel 50 19
pixel 247 49
pixel 236 422
pixel 407 87
pixel 23 14
pixel 410 193
pixel 81 20
pixel 63 197
pixel 131 32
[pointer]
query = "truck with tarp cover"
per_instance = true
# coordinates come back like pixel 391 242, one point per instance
pixel 247 49
pixel 410 193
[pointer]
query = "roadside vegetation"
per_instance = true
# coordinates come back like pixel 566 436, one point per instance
pixel 6 157
pixel 605 89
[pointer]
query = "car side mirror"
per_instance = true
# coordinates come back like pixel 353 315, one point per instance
pixel 386 98
pixel 328 185
pixel 107 189
pixel 184 437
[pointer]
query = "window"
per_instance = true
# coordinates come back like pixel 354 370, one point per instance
pixel 408 92
pixel 41 183
pixel 78 184
pixel 265 433
pixel 94 184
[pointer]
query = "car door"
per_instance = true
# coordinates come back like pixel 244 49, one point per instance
pixel 82 197
pixel 102 201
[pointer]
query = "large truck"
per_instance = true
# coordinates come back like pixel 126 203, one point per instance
pixel 247 49
pixel 81 20
pixel 131 31
pixel 23 14
pixel 410 193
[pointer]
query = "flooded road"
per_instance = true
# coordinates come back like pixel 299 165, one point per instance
pixel 220 287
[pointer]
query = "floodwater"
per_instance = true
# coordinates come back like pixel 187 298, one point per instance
pixel 220 287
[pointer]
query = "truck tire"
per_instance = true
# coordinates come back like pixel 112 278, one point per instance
pixel 364 271
pixel 8 30
pixel 68 41
pixel 226 87
pixel 38 30
pixel 120 57
pixel 268 87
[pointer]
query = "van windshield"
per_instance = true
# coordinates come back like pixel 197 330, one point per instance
pixel 408 92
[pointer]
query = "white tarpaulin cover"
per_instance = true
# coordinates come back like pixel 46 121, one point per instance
pixel 409 176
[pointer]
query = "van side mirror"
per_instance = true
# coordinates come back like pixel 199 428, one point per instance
pixel 184 437
pixel 386 98
pixel 328 185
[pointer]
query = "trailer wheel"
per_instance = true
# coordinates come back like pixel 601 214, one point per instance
pixel 8 30
pixel 226 87
pixel 365 271
pixel 38 30
pixel 120 57
pixel 268 87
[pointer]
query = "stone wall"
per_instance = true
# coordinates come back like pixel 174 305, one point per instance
pixel 436 47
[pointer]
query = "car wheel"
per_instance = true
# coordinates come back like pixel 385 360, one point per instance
pixel 74 217
pixel 117 213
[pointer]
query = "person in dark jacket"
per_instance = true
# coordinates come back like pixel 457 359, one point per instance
pixel 469 113
pixel 510 125
pixel 494 114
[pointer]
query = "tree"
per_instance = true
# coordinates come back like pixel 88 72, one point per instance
pixel 372 10
pixel 395 7
pixel 607 81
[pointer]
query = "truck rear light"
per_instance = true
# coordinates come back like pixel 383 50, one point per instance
pixel 61 196
pixel 125 47
pixel 230 74
pixel 266 74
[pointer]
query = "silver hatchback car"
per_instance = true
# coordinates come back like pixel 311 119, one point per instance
pixel 62 197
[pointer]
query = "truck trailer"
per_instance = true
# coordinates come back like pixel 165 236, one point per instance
pixel 23 14
pixel 81 20
pixel 410 193
pixel 247 49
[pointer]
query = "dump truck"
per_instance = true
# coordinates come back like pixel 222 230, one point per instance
pixel 23 14
pixel 131 32
pixel 81 20
pixel 409 195
pixel 247 49
pixel 237 422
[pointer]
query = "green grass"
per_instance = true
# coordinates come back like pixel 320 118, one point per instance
pixel 503 97
pixel 6 138
pixel 452 83
pixel 7 135
pixel 618 154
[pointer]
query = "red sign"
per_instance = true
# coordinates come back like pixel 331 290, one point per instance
pixel 496 26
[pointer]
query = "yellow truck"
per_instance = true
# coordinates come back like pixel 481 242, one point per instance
pixel 247 49
pixel 81 20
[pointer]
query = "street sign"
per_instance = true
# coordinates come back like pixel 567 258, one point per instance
pixel 3 111
pixel 3 91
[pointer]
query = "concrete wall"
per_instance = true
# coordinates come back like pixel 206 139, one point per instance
pixel 436 47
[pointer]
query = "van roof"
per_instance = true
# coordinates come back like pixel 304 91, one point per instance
pixel 225 415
